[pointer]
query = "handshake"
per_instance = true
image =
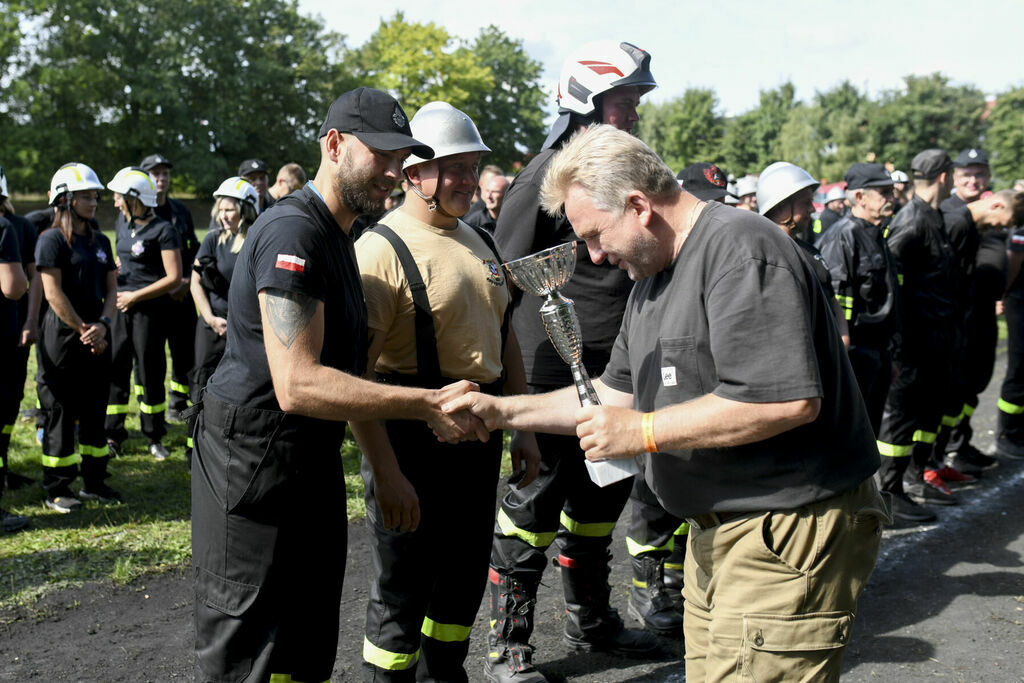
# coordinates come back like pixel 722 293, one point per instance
pixel 459 412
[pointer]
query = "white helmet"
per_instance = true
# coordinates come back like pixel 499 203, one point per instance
pixel 240 189
pixel 446 129
pixel 598 67
pixel 731 198
pixel 899 177
pixel 837 192
pixel 3 183
pixel 746 185
pixel 132 181
pixel 73 177
pixel 779 182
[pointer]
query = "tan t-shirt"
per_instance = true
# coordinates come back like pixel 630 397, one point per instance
pixel 467 292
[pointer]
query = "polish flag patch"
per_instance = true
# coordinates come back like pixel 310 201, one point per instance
pixel 290 262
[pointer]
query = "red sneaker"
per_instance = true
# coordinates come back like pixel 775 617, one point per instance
pixel 951 475
pixel 932 478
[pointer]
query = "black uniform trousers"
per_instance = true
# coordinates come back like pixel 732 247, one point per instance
pixel 138 337
pixel 913 411
pixel 654 532
pixel 1011 395
pixel 563 503
pixel 181 340
pixel 982 334
pixel 427 584
pixel 209 349
pixel 269 537
pixel 873 370
pixel 10 397
pixel 72 385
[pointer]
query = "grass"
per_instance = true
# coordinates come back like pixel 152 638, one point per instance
pixel 149 533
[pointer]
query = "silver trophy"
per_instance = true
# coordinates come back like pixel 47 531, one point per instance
pixel 541 274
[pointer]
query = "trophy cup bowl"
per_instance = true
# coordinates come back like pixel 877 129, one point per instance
pixel 542 274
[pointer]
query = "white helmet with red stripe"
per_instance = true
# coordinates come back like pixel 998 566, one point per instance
pixel 598 67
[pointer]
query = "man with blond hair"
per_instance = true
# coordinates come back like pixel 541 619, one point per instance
pixel 730 374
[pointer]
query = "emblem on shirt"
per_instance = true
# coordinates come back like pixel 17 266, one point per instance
pixel 494 275
pixel 291 262
pixel 398 117
pixel 138 247
pixel 101 256
pixel 668 376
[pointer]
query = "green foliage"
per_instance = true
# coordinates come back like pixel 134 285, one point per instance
pixel 684 130
pixel 509 115
pixel 206 82
pixel 1004 140
pixel 928 112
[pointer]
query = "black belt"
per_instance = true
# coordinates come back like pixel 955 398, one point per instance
pixel 713 519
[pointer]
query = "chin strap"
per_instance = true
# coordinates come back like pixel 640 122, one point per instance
pixel 433 205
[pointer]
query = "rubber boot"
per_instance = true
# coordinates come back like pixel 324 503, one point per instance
pixel 593 625
pixel 509 653
pixel 649 599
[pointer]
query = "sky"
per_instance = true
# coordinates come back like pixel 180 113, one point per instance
pixel 743 46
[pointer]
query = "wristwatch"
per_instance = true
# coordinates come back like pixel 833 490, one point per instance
pixel 105 319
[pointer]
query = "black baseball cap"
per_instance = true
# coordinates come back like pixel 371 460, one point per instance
pixel 154 160
pixel 704 181
pixel 376 118
pixel 861 175
pixel 971 156
pixel 252 166
pixel 930 163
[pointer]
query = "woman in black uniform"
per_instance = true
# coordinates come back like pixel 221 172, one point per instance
pixel 236 209
pixel 149 266
pixel 76 267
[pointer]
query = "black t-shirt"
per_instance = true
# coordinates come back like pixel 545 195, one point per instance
pixel 41 219
pixel 83 264
pixel 990 271
pixel 296 246
pixel 224 261
pixel 10 252
pixel 818 267
pixel 951 203
pixel 599 291
pixel 27 235
pixel 139 252
pixel 738 315
pixel 481 218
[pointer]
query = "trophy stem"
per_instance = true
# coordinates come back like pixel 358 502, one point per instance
pixel 584 387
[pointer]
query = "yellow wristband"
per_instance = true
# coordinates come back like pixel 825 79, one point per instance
pixel 647 428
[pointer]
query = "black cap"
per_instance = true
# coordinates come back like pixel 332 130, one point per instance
pixel 252 166
pixel 704 181
pixel 930 163
pixel 376 119
pixel 971 156
pixel 154 160
pixel 861 175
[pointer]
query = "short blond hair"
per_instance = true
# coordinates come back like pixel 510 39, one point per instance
pixel 608 164
pixel 294 176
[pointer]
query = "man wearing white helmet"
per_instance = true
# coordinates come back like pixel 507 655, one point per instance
pixel 149 258
pixel 600 82
pixel 13 285
pixel 437 301
pixel 79 279
pixel 269 527
pixel 746 190
pixel 902 189
pixel 835 208
pixel 785 197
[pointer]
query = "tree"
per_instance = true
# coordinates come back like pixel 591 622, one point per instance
pixel 1005 137
pixel 420 63
pixel 684 130
pixel 750 139
pixel 207 83
pixel 510 115
pixel 928 112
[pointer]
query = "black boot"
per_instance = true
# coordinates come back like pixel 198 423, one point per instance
pixel 1010 436
pixel 509 653
pixel 650 601
pixel 592 624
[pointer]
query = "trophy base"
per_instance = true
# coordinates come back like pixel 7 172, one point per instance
pixel 608 472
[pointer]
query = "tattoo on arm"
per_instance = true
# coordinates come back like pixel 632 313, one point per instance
pixel 289 314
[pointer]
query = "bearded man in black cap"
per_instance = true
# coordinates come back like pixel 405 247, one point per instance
pixel 268 493
pixel 912 422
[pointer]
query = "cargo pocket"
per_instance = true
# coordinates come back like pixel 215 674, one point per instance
pixel 262 465
pixel 803 647
pixel 228 637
